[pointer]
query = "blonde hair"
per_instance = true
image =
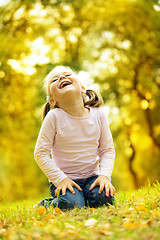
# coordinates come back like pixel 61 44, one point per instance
pixel 93 99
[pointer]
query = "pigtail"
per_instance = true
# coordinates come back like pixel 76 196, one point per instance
pixel 95 99
pixel 46 109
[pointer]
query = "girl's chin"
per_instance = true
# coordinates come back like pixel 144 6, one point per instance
pixel 69 89
pixel 66 88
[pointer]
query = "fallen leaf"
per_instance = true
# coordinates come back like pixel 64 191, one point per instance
pixel 107 233
pixel 92 209
pixel 3 222
pixel 39 223
pixel 58 210
pixel 2 230
pixel 104 228
pixel 150 222
pixel 69 226
pixel 41 210
pixel 141 224
pixel 141 207
pixel 90 222
pixel 72 233
pixel 36 235
pixel 156 213
pixel 129 225
pixel 48 217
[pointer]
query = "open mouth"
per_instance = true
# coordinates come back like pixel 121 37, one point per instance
pixel 64 84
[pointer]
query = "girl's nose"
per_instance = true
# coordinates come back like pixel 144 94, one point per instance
pixel 61 76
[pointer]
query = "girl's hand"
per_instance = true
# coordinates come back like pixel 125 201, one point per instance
pixel 67 183
pixel 104 183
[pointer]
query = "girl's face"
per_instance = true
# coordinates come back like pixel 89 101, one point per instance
pixel 62 84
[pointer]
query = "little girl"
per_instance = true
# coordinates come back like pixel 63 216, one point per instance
pixel 74 148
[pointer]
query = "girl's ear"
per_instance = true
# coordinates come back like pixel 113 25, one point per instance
pixel 83 90
pixel 53 102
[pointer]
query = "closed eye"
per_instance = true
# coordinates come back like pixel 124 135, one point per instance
pixel 67 75
pixel 54 79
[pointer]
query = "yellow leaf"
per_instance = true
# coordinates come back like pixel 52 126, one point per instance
pixel 3 230
pixel 39 223
pixel 104 228
pixel 156 213
pixel 92 209
pixel 58 210
pixel 48 217
pixel 141 224
pixel 36 235
pixel 141 207
pixel 90 222
pixel 69 226
pixel 107 233
pixel 3 222
pixel 72 233
pixel 41 210
pixel 129 225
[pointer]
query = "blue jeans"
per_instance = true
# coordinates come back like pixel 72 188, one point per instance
pixel 82 198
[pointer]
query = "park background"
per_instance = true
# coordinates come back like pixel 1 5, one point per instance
pixel 114 46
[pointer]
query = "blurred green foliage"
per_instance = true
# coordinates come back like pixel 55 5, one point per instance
pixel 114 45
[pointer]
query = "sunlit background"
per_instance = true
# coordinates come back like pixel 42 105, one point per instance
pixel 114 46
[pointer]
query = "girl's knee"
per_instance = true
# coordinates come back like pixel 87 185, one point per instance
pixel 97 200
pixel 65 203
pixel 69 201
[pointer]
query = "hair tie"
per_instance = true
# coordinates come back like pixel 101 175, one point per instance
pixel 83 90
pixel 47 99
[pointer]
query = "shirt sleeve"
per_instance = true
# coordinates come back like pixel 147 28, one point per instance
pixel 106 148
pixel 43 150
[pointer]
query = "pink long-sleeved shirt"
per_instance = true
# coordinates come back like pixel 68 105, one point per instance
pixel 74 144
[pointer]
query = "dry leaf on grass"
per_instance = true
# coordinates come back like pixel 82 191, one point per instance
pixel 105 228
pixel 93 209
pixel 90 222
pixel 41 210
pixel 141 207
pixel 69 226
pixel 48 217
pixel 57 210
pixel 73 233
pixel 3 222
pixel 130 224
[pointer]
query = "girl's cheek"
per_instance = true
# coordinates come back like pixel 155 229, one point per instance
pixel 52 90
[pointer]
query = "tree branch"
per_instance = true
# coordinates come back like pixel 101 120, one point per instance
pixel 147 111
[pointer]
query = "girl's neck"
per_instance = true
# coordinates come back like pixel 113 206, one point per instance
pixel 75 109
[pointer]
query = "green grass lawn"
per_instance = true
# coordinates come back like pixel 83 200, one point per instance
pixel 135 215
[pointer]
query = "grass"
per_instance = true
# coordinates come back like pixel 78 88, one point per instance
pixel 135 215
